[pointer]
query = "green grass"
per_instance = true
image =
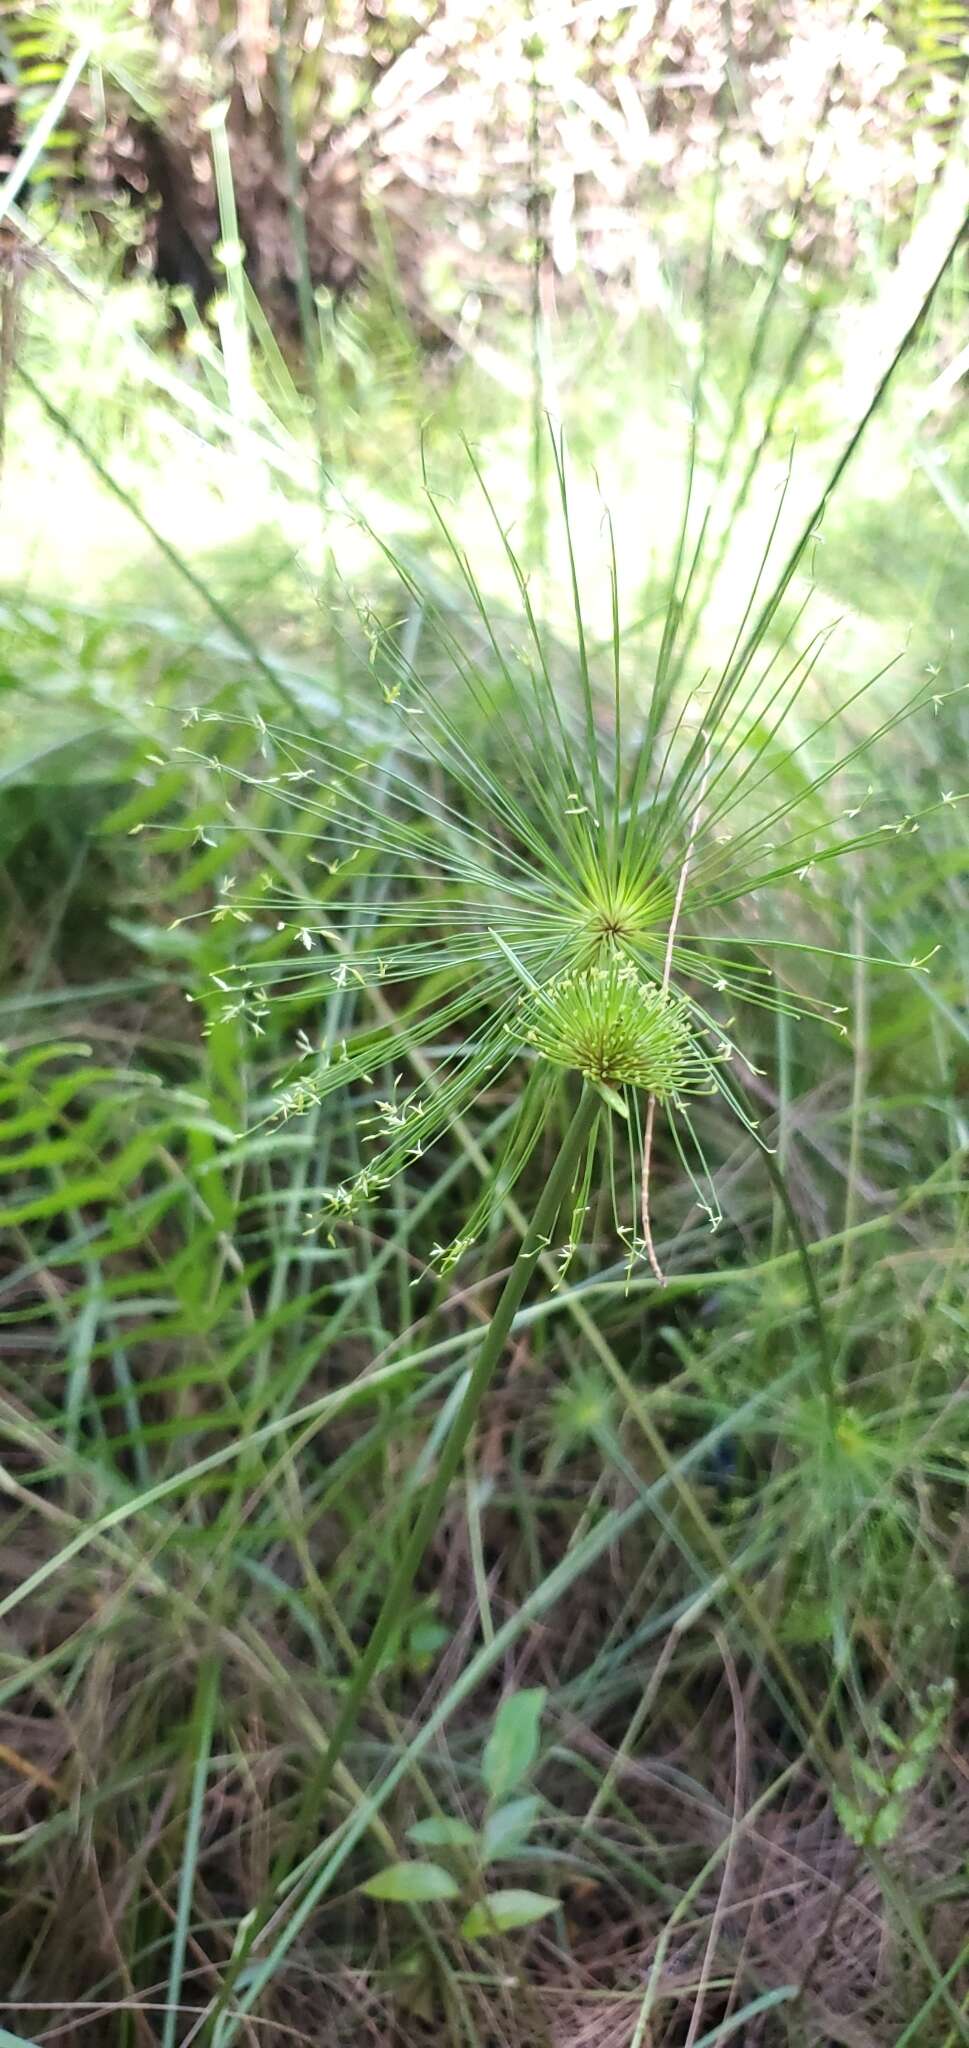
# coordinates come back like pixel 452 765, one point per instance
pixel 691 1591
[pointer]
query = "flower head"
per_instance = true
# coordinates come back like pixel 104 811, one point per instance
pixel 512 882
pixel 613 1027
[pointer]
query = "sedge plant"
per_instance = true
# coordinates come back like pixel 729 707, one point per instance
pixel 569 907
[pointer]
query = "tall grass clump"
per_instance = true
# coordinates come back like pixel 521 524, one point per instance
pixel 574 896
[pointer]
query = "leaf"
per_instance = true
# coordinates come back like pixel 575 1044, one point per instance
pixel 886 1823
pixel 507 1827
pixel 765 2003
pixel 408 1883
pixel 442 1832
pixel 424 1640
pixel 908 1775
pixel 512 1746
pixel 501 1911
pixel 872 1779
pixel 852 1818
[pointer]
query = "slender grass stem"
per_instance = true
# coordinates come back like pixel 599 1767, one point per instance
pixel 482 1373
pixel 203 1725
pixel 667 966
pixel 222 612
pixel 859 1089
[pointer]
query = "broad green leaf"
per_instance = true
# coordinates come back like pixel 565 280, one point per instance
pixel 501 1911
pixel 411 1883
pixel 507 1827
pixel 442 1832
pixel 512 1746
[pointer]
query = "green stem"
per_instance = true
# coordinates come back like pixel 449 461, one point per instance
pixel 829 1385
pixel 294 187
pixel 33 148
pixel 482 1373
pixel 296 206
pixel 200 1730
pixel 859 1088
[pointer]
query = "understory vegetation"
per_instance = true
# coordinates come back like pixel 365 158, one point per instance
pixel 485 1231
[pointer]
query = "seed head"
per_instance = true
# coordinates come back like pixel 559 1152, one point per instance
pixel 616 1028
pixel 540 879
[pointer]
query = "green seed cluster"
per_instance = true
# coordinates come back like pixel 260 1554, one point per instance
pixel 616 1028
